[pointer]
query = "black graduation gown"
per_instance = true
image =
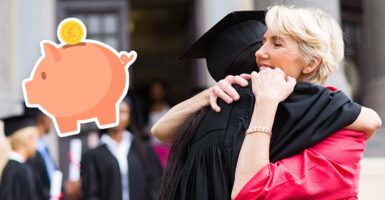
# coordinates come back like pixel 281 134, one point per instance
pixel 40 174
pixel 101 178
pixel 16 182
pixel 308 116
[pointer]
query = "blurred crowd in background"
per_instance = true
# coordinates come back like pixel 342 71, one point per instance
pixel 123 162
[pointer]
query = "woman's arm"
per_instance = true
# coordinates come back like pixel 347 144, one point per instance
pixel 167 126
pixel 328 170
pixel 254 154
pixel 367 121
pixel 269 88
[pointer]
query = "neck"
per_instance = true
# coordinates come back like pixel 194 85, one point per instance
pixel 41 131
pixel 22 152
pixel 158 105
pixel 116 135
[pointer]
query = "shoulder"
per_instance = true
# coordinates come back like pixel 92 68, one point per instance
pixel 99 149
pixel 245 104
pixel 37 159
pixel 245 92
pixel 343 139
pixel 139 145
pixel 10 169
pixel 344 146
pixel 16 165
pixel 15 170
pixel 97 152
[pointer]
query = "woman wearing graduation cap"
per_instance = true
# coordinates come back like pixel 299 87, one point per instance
pixel 16 176
pixel 123 167
pixel 285 136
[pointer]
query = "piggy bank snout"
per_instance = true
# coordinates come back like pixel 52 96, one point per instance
pixel 30 94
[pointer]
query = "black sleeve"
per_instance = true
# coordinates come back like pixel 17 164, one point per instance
pixel 38 169
pixel 339 118
pixel 14 184
pixel 20 187
pixel 8 190
pixel 306 118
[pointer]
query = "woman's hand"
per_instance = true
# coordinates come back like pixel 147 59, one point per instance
pixel 271 85
pixel 165 128
pixel 224 90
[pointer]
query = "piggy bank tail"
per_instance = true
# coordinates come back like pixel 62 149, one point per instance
pixel 128 58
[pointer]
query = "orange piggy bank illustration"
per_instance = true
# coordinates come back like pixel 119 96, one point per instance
pixel 78 81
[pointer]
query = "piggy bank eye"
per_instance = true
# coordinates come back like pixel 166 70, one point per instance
pixel 43 75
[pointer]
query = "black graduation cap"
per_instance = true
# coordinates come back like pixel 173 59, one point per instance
pixel 32 112
pixel 230 45
pixel 27 118
pixel 13 124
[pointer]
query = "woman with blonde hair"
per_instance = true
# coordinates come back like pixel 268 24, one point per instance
pixel 16 177
pixel 284 137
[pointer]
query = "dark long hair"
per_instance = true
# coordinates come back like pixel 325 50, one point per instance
pixel 179 153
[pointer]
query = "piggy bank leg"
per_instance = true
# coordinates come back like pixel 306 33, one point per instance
pixel 107 118
pixel 66 125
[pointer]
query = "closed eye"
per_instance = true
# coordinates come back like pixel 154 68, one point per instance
pixel 277 44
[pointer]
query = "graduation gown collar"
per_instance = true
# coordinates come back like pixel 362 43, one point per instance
pixel 13 155
pixel 106 139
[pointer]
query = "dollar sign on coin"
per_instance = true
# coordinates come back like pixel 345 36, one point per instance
pixel 71 31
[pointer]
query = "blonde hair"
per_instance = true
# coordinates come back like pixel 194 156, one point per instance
pixel 15 141
pixel 317 33
pixel 4 150
pixel 21 136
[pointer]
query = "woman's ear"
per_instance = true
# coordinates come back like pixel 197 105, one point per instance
pixel 312 65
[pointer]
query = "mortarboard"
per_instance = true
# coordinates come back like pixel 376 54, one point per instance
pixel 230 45
pixel 32 112
pixel 13 124
pixel 26 119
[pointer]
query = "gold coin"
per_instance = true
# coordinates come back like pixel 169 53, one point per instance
pixel 72 31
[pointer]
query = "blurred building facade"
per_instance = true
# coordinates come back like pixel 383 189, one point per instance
pixel 160 30
pixel 23 24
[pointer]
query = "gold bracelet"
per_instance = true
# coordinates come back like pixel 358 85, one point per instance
pixel 258 129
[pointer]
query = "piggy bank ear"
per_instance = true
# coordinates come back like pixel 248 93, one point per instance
pixel 50 51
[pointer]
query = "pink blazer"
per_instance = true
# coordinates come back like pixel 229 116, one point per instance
pixel 328 170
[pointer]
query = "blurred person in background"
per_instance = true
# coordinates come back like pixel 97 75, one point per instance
pixel 17 182
pixel 42 164
pixel 159 106
pixel 139 115
pixel 123 166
